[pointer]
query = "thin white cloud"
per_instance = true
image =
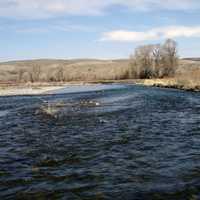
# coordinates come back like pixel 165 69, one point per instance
pixel 60 26
pixel 53 8
pixel 152 34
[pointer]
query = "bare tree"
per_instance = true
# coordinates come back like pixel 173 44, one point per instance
pixel 35 73
pixel 20 75
pixel 169 57
pixel 143 60
pixel 60 74
pixel 155 60
pixel 50 77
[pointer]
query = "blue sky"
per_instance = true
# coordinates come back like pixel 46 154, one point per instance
pixel 31 29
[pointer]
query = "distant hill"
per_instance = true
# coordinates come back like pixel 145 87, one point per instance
pixel 73 69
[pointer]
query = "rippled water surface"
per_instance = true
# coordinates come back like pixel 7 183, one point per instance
pixel 113 142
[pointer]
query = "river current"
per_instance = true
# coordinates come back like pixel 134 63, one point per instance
pixel 121 142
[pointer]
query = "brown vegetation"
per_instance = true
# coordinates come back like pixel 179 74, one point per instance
pixel 63 70
pixel 155 61
pixel 189 80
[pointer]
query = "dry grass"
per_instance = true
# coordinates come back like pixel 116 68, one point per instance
pixel 74 70
pixel 189 80
pixel 186 80
pixel 86 71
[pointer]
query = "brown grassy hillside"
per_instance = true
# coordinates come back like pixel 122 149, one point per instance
pixel 80 69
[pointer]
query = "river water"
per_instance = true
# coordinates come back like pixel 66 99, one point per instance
pixel 121 142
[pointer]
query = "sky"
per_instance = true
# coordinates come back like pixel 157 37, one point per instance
pixel 107 29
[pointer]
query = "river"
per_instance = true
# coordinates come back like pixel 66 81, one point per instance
pixel 121 142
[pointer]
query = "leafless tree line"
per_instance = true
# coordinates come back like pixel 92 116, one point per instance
pixel 34 74
pixel 60 73
pixel 155 61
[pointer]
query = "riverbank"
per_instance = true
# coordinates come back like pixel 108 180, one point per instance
pixel 33 88
pixel 48 88
pixel 187 85
pixel 171 83
pixel 88 71
pixel 27 90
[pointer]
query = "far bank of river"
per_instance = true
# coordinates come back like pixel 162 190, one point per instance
pixel 48 88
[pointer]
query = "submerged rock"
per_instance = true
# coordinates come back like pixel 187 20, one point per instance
pixel 57 109
pixel 50 110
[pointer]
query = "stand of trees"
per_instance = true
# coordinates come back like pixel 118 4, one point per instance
pixel 155 61
pixel 35 74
